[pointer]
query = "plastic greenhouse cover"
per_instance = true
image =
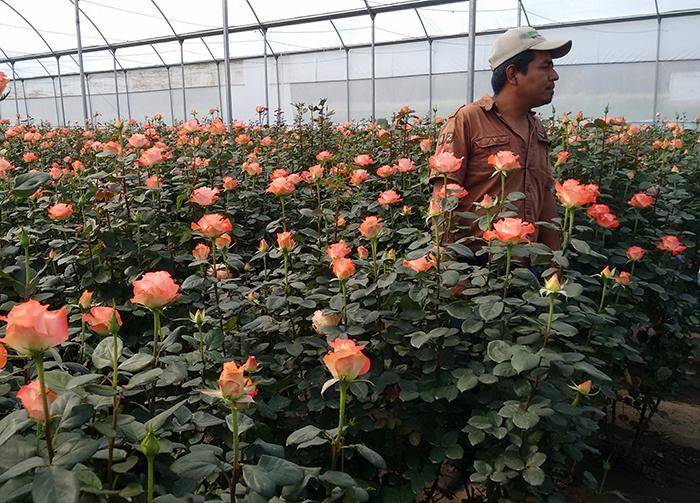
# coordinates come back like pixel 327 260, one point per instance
pixel 43 26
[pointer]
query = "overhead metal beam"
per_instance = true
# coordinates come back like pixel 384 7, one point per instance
pixel 227 63
pixel 181 41
pixel 347 69
pixel 80 60
pixel 218 77
pixel 372 16
pixel 524 11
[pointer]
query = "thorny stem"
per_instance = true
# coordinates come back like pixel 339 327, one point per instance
pixel 602 296
pixel 338 441
pixel 509 253
pixel 216 287
pixel 156 335
pixel 39 361
pixel 234 474
pixel 550 317
pixel 285 254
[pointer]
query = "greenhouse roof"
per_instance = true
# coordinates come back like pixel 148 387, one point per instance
pixel 37 35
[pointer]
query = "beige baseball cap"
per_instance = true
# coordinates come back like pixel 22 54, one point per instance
pixel 517 40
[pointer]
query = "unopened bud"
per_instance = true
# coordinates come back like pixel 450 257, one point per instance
pixel 199 318
pixel 23 238
pixel 113 324
pixel 150 445
pixel 85 300
pixel 552 284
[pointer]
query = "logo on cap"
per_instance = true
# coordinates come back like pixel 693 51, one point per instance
pixel 533 34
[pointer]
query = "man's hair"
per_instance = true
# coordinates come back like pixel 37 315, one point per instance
pixel 521 62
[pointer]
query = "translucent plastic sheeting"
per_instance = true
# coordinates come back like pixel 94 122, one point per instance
pixel 676 33
pixel 677 5
pixel 542 12
pixel 303 37
pixel 679 82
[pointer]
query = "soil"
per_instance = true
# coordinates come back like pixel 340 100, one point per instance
pixel 661 466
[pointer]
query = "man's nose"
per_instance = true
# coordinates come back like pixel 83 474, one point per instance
pixel 555 75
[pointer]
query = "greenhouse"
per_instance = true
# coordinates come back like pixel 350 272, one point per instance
pixel 350 251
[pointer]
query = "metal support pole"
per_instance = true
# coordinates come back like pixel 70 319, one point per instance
pixel 89 100
pixel 126 89
pixel 470 53
pixel 80 60
pixel 116 84
pixel 227 64
pixel 182 72
pixel 170 94
pixel 347 82
pixel 277 78
pixel 218 88
pixel 267 90
pixel 374 90
pixel 55 100
pixel 656 64
pixel 430 79
pixel 24 95
pixel 60 90
pixel 14 87
pixel 520 14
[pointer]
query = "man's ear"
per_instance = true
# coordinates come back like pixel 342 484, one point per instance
pixel 511 74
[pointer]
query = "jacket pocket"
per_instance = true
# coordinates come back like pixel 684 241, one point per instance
pixel 488 142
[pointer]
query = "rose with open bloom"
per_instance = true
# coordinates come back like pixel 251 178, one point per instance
pixel 204 196
pixel 285 241
pixel 212 225
pixel 4 81
pixel 323 156
pixel 3 356
pixel 61 211
pixel 252 168
pixel 607 221
pixel 281 186
pixel 453 190
pixel 623 279
pixel 671 244
pixel 155 290
pixel 358 176
pixel 201 252
pixel 389 197
pixel 595 210
pixel 138 140
pixel 562 157
pixel 338 250
pixel 445 162
pixel 504 161
pixel 385 171
pixel 573 193
pixel 510 231
pixel 343 268
pixel 229 183
pixel 320 321
pixel 487 202
pixel 371 227
pixel 405 165
pixel 153 182
pixel 31 327
pixel 362 252
pixel 223 241
pixel 346 362
pixel 30 157
pixel 421 264
pixel 315 172
pixel 607 273
pixel 363 160
pixel 635 253
pixel 233 383
pixel 99 317
pixel 151 156
pixel 30 396
pixel 640 200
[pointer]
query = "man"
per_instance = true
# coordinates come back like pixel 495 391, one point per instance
pixel 523 78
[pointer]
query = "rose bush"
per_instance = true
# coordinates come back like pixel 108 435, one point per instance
pixel 492 350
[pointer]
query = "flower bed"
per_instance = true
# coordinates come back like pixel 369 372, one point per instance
pixel 275 309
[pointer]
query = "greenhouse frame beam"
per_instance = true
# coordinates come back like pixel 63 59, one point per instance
pixel 430 64
pixel 372 16
pixel 266 45
pixel 524 11
pixel 471 51
pixel 218 75
pixel 347 69
pixel 245 28
pixel 227 63
pixel 181 41
pixel 80 60
pixel 656 61
pixel 170 86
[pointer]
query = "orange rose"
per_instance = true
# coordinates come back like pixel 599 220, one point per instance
pixel 362 252
pixel 421 264
pixel 204 196
pixel 385 171
pixel 4 81
pixel 671 244
pixel 624 278
pixel 201 252
pixel 263 246
pixel 229 183
pixel 453 190
pixel 252 168
pixel 319 321
pixel 138 141
pixel 151 156
pixel 343 268
pixel 607 221
pixel 573 193
pixel 30 396
pixel 635 253
pixel 389 197
pixel 595 210
pixel 3 356
pixel 223 241
pixel 99 317
pixel 405 165
pixel 323 156
pixel 445 162
pixel 607 273
pixel 31 327
pixel 371 227
pixel 212 225
pixel 346 362
pixel 641 200
pixel 233 384
pixel 85 300
pixel 358 176
pixel 30 157
pixel 285 241
pixel 487 202
pixel 510 231
pixel 61 211
pixel 338 250
pixel 503 161
pixel 155 290
pixel 281 186
pixel 562 157
pixel 363 160
pixel 316 172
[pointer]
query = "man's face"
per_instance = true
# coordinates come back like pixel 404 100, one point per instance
pixel 537 87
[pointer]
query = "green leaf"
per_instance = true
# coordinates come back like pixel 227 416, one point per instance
pixel 573 290
pixel 461 310
pixel 533 476
pixel 259 480
pixel 480 422
pixel 537 459
pixel 12 423
pixel 591 371
pixel 373 457
pixel 75 450
pixel 303 435
pixel 467 382
pixel 340 479
pixel 27 183
pixel 525 420
pixel 482 467
pixel 419 338
pixel 54 484
pixel 144 378
pixel 22 467
pixel 581 246
pixel 499 351
pixel 137 362
pixel 196 465
pixel 192 281
pixel 284 473
pixel 513 461
pixel 524 360
pixel 82 380
pixel 158 421
pixel 491 310
pixel 103 355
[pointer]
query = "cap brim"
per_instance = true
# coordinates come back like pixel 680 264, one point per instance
pixel 557 48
